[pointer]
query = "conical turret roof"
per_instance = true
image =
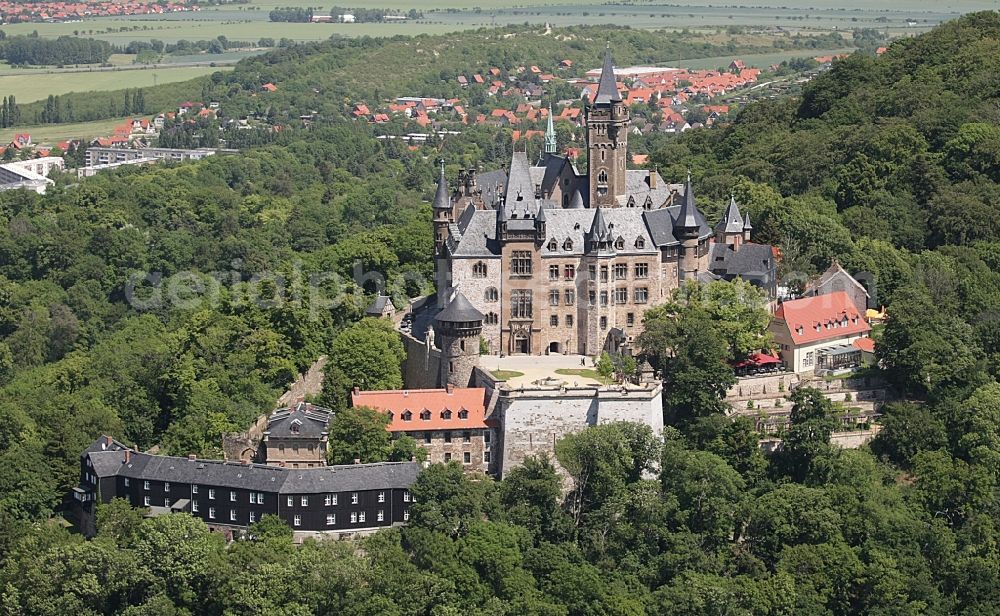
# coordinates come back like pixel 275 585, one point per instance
pixel 599 228
pixel 688 218
pixel 442 201
pixel 576 201
pixel 607 87
pixel 459 310
pixel 746 223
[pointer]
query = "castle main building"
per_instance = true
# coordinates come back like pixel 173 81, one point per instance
pixel 556 260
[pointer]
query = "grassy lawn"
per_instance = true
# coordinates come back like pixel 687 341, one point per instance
pixel 50 133
pixel 36 84
pixel 505 375
pixel 588 373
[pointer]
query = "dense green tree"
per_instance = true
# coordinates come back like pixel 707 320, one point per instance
pixel 359 433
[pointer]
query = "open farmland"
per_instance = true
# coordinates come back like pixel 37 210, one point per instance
pixel 250 22
pixel 51 133
pixel 35 84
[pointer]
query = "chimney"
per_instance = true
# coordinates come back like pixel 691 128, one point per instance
pixel 652 178
pixel 449 388
pixel 357 460
pixel 110 441
pixel 128 456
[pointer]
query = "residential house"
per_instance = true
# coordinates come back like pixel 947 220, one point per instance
pixel 834 279
pixel 820 333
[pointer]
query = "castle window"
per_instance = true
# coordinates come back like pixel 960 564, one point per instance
pixel 602 177
pixel 425 415
pixel 553 272
pixel 569 320
pixel 447 437
pixel 407 415
pixel 446 414
pixel 492 294
pixel 641 295
pixel 520 303
pixel 592 297
pixel 492 318
pixel 553 245
pixel 554 297
pixel 621 271
pixel 569 272
pixel 602 160
pixel 568 244
pixel 461 345
pixel 641 270
pixel 621 295
pixel 604 298
pixel 554 320
pixel 520 263
pixel 619 244
pixel 604 273
pixel 479 270
pixel 604 322
pixel 570 297
pixel 630 319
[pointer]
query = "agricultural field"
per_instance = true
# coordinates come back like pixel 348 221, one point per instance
pixel 250 22
pixel 762 60
pixel 51 133
pixel 29 85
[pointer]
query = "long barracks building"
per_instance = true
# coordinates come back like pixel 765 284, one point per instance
pixel 230 496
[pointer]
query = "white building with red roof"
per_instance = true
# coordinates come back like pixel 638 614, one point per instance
pixel 825 332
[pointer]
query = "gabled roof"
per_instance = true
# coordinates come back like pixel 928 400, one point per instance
pixel 813 319
pixel 833 272
pixel 377 307
pixel 607 87
pixel 436 401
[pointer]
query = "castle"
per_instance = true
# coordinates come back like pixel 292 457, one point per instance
pixel 544 258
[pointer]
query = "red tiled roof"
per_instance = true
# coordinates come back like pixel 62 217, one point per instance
pixel 865 344
pixel 434 404
pixel 812 319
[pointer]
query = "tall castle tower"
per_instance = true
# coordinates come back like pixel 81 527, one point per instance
pixel 459 326
pixel 688 230
pixel 444 215
pixel 608 121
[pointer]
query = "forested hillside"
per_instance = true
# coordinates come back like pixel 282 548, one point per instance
pixel 888 165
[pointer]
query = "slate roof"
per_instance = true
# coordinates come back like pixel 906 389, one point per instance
pixel 520 191
pixel 732 220
pixel 493 184
pixel 607 88
pixel 661 224
pixel 751 261
pixel 574 224
pixel 688 216
pixel 637 187
pixel 441 198
pixel 475 234
pixel 377 307
pixel 459 310
pixel 576 201
pixel 311 422
pixel 257 477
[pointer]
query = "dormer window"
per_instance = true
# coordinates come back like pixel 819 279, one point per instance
pixel 553 244
pixel 446 414
pixel 568 244
pixel 294 427
pixel 391 415
pixel 640 243
pixel 463 414
pixel 631 201
pixel 648 204
pixel 619 244
pixel 407 415
pixel 425 415
pixel 799 330
pixel 576 227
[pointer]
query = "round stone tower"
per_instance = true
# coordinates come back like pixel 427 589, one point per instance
pixel 458 328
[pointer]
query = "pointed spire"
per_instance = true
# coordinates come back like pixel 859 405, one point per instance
pixel 576 201
pixel 441 199
pixel 599 229
pixel 732 220
pixel 687 218
pixel 540 218
pixel 607 87
pixel 550 136
pixel 746 223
